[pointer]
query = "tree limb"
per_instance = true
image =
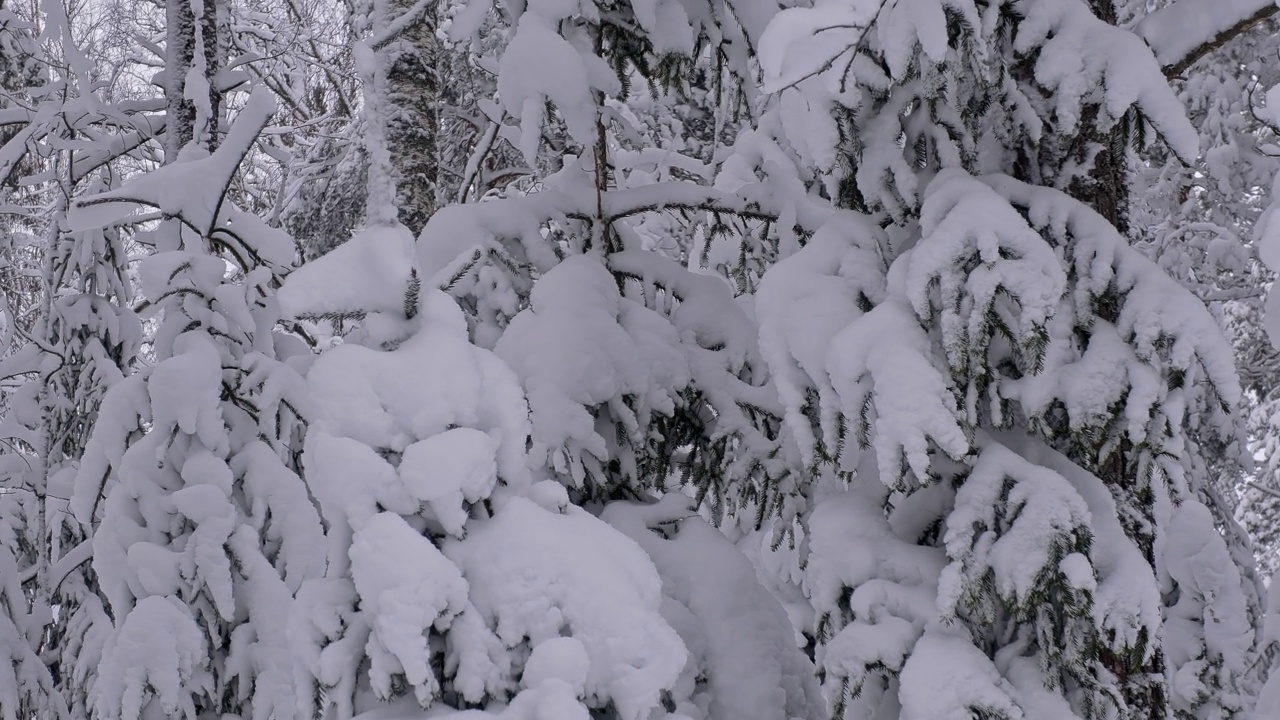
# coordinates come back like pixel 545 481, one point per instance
pixel 1170 31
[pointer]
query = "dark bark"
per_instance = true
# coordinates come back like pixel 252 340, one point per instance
pixel 1104 187
pixel 182 115
pixel 208 133
pixel 180 42
pixel 1176 67
pixel 412 119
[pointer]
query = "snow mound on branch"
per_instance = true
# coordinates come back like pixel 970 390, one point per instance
pixel 433 381
pixel 738 633
pixel 1127 599
pixel 407 587
pixel 891 585
pixel 974 246
pixel 195 191
pixel 1084 60
pixel 947 678
pixel 564 659
pixel 449 469
pixel 368 273
pixel 802 303
pixel 607 599
pixel 608 348
pixel 158 655
pixel 887 353
pixel 1040 513
pixel 1208 627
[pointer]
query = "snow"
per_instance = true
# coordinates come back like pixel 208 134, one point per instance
pixel 1161 329
pixel 887 353
pixel 737 633
pixel 195 190
pixel 609 348
pixel 974 251
pixel 433 381
pixel 368 273
pixel 947 678
pixel 539 66
pixel 1127 599
pixel 214 519
pixel 608 598
pixel 801 304
pixel 1208 626
pixel 1082 57
pixel 159 655
pixel 406 588
pixel 429 523
pixel 891 586
pixel 259 649
pixel 294 521
pixel 449 469
pixel 563 658
pixel 1176 30
pixel 1010 518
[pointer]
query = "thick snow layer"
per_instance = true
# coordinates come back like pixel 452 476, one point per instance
pixel 295 526
pixel 406 588
pixel 195 190
pixel 158 655
pixel 743 640
pixel 1177 29
pixel 1208 626
pixel 1010 516
pixel 259 652
pixel 564 659
pixel 891 585
pixel 449 469
pixel 608 348
pixel 1165 351
pixel 608 599
pixel 1083 58
pixel 186 390
pixel 368 273
pixel 539 65
pixel 947 678
pixel 1127 600
pixel 886 354
pixel 801 304
pixel 433 381
pixel 974 246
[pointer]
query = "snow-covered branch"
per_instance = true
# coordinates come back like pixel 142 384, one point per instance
pixel 1185 31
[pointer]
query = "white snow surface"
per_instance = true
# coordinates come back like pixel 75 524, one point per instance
pixel 434 380
pixel 157 655
pixel 947 678
pixel 802 303
pixel 406 586
pixel 608 598
pixel 1011 531
pixel 608 348
pixel 737 633
pixel 1175 30
pixel 368 273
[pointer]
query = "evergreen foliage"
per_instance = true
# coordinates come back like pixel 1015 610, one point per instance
pixel 634 360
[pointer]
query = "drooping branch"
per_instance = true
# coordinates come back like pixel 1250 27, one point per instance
pixel 1187 30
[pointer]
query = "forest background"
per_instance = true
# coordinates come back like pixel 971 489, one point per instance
pixel 639 359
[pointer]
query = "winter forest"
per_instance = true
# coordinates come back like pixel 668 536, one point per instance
pixel 639 359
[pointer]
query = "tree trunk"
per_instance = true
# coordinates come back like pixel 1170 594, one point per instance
pixel 412 115
pixel 187 120
pixel 180 46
